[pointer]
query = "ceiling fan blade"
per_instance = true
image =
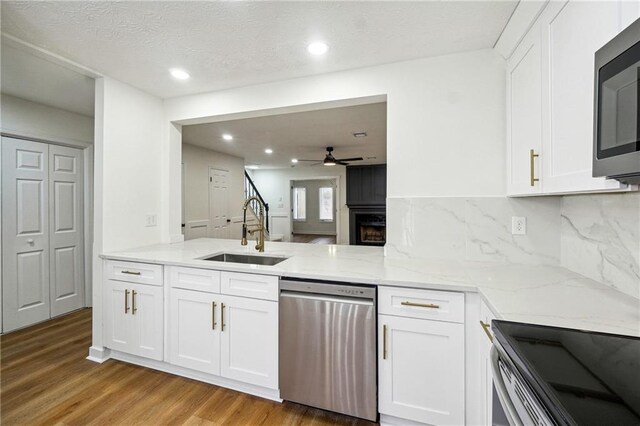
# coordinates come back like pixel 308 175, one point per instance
pixel 315 164
pixel 341 163
pixel 350 159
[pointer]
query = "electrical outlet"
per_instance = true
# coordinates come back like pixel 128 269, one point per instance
pixel 518 225
pixel 152 220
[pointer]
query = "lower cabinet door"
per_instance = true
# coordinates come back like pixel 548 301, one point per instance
pixel 249 341
pixel 147 313
pixel 194 330
pixel 118 321
pixel 421 370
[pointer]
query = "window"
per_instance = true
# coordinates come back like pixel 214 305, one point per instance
pixel 299 204
pixel 326 204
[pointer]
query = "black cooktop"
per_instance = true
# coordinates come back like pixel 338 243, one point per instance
pixel 583 378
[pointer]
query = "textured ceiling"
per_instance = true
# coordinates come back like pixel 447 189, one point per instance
pixel 231 44
pixel 38 80
pixel 299 135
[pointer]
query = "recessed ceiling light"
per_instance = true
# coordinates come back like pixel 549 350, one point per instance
pixel 179 74
pixel 294 160
pixel 360 134
pixel 268 151
pixel 227 137
pixel 318 48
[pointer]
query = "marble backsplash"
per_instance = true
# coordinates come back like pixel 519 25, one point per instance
pixel 476 229
pixel 597 236
pixel 600 238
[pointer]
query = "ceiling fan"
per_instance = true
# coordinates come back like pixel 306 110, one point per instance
pixel 330 160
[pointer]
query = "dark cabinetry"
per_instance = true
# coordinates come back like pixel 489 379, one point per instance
pixel 367 185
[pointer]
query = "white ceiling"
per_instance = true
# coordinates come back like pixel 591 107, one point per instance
pixel 302 135
pixel 35 79
pixel 231 44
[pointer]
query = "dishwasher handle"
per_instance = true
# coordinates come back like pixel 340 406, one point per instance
pixel 326 298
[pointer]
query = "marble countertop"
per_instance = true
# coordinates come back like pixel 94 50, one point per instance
pixel 548 295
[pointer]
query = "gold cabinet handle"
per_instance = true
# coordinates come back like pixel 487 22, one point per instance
pixel 384 341
pixel 133 302
pixel 131 272
pixel 421 305
pixel 486 328
pixel 213 315
pixel 126 301
pixel 532 157
pixel 222 316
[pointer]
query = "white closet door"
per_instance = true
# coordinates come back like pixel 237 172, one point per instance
pixel 25 233
pixel 66 229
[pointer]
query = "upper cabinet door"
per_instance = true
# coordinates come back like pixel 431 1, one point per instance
pixel 524 117
pixel 571 33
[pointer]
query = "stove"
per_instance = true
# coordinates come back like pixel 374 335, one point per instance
pixel 567 377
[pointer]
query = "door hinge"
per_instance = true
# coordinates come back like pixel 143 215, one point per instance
pixel 210 179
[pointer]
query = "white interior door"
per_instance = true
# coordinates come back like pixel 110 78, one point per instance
pixel 66 229
pixel 25 233
pixel 219 202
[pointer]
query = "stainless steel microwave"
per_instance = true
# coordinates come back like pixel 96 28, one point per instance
pixel 616 138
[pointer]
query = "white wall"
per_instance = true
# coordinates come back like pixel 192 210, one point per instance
pixel 129 145
pixel 37 121
pixel 274 187
pixel 445 129
pixel 197 161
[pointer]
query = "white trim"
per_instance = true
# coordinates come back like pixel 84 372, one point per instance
pixel 271 394
pixel 519 24
pixel 99 355
pixel 386 420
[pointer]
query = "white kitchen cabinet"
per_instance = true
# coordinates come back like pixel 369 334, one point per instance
pixel 524 116
pixel 134 318
pixel 571 33
pixel 486 341
pixel 249 340
pixel 550 82
pixel 194 330
pixel 421 370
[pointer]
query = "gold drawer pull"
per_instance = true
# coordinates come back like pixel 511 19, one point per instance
pixel 222 316
pixel 133 302
pixel 486 328
pixel 126 301
pixel 131 272
pixel 532 157
pixel 384 341
pixel 421 305
pixel 213 315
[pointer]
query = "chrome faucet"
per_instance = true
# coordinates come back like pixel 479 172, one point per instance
pixel 258 228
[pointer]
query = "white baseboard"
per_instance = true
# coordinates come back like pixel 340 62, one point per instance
pixel 99 355
pixel 386 420
pixel 262 392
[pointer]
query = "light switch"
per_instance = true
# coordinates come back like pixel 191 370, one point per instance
pixel 152 220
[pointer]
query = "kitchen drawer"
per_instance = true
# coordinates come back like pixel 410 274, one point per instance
pixel 205 280
pixel 143 273
pixel 249 285
pixel 425 304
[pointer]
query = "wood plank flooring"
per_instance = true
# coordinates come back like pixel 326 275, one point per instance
pixel 313 239
pixel 46 380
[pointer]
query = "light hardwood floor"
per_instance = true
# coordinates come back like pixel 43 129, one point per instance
pixel 313 239
pixel 45 379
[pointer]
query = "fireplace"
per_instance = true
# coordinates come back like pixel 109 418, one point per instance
pixel 366 198
pixel 368 227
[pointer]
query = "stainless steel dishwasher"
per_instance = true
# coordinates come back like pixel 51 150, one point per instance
pixel 328 346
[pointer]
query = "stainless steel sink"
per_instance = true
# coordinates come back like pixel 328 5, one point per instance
pixel 246 258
